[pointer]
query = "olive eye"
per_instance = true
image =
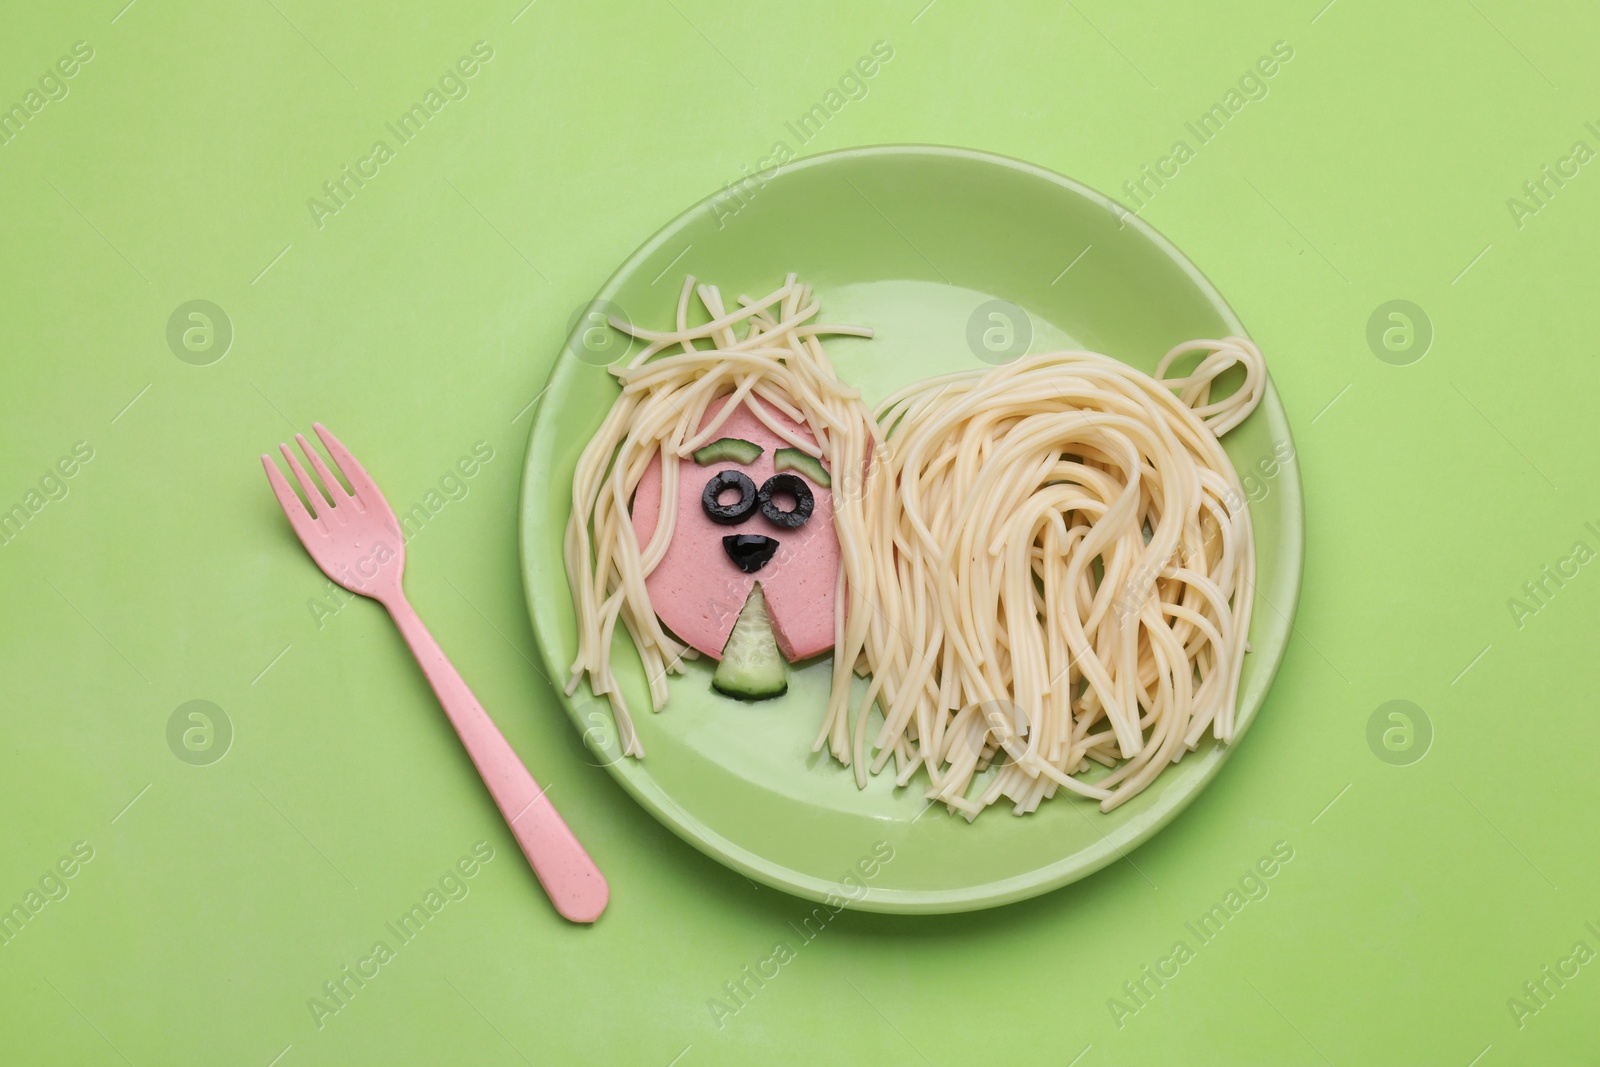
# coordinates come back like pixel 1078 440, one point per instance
pixel 722 483
pixel 781 485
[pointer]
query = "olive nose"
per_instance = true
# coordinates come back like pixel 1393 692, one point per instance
pixel 750 552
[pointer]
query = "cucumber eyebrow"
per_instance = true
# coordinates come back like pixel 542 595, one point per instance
pixel 728 450
pixel 793 459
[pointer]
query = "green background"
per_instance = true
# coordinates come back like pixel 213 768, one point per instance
pixel 423 318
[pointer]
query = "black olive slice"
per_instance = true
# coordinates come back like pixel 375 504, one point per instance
pixel 729 514
pixel 749 552
pixel 795 487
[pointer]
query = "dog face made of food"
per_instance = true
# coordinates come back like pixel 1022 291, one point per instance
pixel 723 543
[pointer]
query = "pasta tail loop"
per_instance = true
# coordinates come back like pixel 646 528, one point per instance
pixel 1219 357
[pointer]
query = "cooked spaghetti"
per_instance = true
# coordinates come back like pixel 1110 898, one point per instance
pixel 1045 566
pixel 776 363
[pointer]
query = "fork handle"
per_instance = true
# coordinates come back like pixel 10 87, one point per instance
pixel 575 885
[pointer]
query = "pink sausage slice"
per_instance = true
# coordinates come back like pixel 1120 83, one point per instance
pixel 696 589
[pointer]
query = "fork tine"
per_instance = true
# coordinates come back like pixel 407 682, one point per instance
pixel 319 503
pixel 299 518
pixel 348 465
pixel 333 486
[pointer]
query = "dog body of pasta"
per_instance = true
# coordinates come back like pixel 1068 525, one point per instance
pixel 1065 563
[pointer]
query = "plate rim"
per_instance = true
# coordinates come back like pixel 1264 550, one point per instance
pixel 647 792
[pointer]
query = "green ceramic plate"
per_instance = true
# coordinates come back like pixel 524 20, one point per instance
pixel 915 242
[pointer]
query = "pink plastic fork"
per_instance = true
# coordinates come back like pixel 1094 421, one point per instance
pixel 356 540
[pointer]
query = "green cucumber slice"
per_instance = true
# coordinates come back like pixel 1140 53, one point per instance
pixel 727 450
pixel 792 459
pixel 752 668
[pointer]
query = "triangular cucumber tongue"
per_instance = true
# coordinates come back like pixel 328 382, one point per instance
pixel 752 668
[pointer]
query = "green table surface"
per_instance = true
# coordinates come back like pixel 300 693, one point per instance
pixel 1440 910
